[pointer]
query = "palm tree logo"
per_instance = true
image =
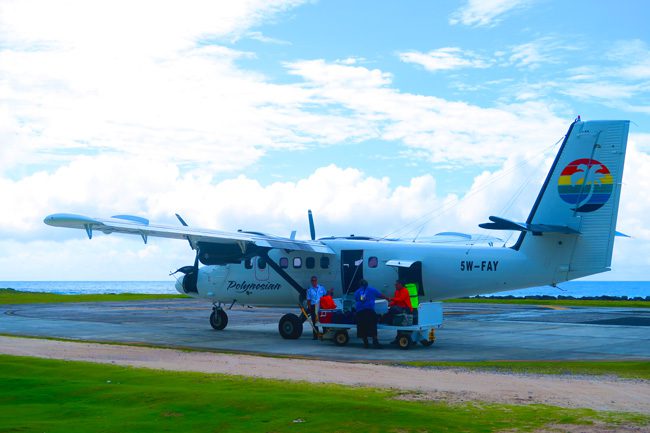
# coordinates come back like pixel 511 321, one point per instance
pixel 587 177
pixel 585 183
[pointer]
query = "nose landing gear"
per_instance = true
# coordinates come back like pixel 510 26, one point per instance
pixel 218 318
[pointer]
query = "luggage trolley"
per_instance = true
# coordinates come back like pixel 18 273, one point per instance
pixel 429 318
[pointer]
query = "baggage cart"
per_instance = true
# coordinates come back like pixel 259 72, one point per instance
pixel 429 318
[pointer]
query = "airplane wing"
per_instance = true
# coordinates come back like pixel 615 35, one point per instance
pixel 235 244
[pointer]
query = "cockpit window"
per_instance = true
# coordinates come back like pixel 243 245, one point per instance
pixel 261 262
pixel 248 263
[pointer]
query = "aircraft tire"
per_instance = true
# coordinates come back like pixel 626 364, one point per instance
pixel 218 319
pixel 290 327
pixel 341 338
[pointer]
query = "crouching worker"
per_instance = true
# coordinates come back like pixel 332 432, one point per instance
pixel 366 317
pixel 401 302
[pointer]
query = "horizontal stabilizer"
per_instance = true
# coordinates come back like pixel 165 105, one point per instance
pixel 504 224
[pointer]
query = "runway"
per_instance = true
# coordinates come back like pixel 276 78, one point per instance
pixel 471 332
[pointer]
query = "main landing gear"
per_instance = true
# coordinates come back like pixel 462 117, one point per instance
pixel 290 326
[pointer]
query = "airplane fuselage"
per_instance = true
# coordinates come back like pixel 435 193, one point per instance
pixel 442 271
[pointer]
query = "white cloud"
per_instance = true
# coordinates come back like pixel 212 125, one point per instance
pixel 96 80
pixel 147 27
pixel 545 50
pixel 633 59
pixel 449 131
pixel 480 13
pixel 259 36
pixel 445 59
pixel 599 89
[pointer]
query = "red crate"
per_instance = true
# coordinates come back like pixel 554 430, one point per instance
pixel 325 316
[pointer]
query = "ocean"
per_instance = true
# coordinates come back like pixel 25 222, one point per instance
pixel 577 289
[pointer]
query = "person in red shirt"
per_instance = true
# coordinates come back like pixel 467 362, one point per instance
pixel 401 301
pixel 327 301
pixel 399 304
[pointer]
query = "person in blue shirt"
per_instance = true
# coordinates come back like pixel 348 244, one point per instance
pixel 366 317
pixel 314 292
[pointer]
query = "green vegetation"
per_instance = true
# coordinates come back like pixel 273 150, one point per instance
pixel 623 369
pixel 10 296
pixel 56 396
pixel 555 302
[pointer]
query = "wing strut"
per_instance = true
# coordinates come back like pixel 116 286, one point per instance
pixel 301 290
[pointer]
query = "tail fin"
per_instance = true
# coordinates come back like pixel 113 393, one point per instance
pixel 571 227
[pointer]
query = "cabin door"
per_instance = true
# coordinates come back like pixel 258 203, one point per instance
pixel 351 269
pixel 409 271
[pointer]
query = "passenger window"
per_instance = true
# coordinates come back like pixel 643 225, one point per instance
pixel 284 262
pixel 310 262
pixel 297 262
pixel 324 262
pixel 248 263
pixel 261 262
pixel 372 262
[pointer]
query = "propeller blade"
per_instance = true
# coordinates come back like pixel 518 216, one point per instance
pixel 181 219
pixel 312 230
pixel 185 225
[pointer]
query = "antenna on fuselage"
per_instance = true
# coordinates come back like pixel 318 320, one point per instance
pixel 312 230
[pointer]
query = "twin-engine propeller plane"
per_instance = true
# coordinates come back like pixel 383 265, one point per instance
pixel 568 234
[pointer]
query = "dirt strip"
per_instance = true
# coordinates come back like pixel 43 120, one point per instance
pixel 419 383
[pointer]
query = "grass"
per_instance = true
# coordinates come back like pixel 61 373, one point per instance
pixel 56 396
pixel 10 296
pixel 554 302
pixel 622 369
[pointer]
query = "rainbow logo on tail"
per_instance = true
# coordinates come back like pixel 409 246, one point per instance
pixel 585 183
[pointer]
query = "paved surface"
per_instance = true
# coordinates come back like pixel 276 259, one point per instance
pixel 470 331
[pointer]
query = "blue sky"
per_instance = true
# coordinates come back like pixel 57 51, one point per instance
pixel 244 115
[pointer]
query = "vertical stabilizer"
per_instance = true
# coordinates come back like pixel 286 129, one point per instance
pixel 581 192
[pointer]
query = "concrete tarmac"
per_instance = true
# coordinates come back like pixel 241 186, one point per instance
pixel 470 332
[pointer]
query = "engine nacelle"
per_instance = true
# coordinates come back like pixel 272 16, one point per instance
pixel 223 254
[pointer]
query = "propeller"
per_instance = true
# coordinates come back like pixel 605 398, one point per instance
pixel 187 237
pixel 194 270
pixel 312 230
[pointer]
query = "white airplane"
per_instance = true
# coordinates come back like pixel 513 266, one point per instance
pixel 568 234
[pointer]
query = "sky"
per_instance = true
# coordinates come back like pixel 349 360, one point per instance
pixel 385 118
